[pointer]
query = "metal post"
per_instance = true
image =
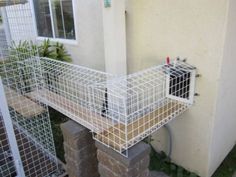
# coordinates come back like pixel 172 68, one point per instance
pixel 10 132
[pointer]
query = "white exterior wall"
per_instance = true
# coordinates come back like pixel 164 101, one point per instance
pixel 89 50
pixel 193 29
pixel 224 129
pixel 114 30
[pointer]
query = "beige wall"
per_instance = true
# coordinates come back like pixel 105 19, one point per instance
pixel 193 29
pixel 89 50
pixel 224 129
pixel 115 37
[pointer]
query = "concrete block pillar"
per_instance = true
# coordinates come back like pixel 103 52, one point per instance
pixel 80 150
pixel 112 164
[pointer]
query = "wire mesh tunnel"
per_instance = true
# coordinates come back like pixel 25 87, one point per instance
pixel 121 111
pixel 66 88
pixel 137 105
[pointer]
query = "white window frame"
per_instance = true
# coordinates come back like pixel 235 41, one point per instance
pixel 55 39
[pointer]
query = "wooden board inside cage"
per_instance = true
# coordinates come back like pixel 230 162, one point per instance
pixel 21 104
pixel 72 109
pixel 111 133
pixel 115 136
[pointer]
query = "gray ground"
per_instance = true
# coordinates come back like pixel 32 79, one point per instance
pixel 234 175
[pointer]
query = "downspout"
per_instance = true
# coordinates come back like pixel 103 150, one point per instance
pixel 114 31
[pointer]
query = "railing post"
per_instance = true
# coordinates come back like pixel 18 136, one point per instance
pixel 10 132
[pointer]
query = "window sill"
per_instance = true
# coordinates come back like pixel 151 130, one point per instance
pixel 63 41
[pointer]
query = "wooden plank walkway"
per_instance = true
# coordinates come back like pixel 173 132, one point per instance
pixel 117 135
pixel 72 110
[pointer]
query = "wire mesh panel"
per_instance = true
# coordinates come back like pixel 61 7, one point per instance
pixel 137 105
pixel 30 117
pixel 121 111
pixel 66 88
pixel 19 20
pixel 3 43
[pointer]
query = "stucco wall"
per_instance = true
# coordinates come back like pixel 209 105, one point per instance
pixel 192 29
pixel 224 130
pixel 89 50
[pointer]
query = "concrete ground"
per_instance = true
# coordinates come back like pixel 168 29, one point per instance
pixel 234 175
pixel 157 174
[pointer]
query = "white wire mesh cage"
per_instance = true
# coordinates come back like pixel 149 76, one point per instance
pixel 66 88
pixel 121 111
pixel 135 106
pixel 3 43
pixel 30 118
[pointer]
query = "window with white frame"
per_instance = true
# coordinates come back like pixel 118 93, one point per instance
pixel 54 18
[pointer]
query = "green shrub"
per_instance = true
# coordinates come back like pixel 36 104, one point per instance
pixel 25 49
pixel 45 49
pixel 22 50
pixel 159 161
pixel 55 51
pixel 60 53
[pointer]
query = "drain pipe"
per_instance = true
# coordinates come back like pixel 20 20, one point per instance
pixel 168 129
pixel 114 29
